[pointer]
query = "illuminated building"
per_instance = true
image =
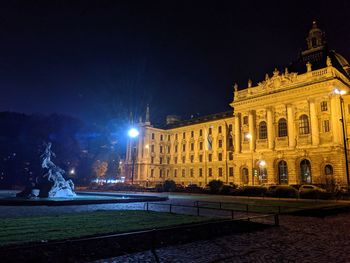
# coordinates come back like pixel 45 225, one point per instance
pixel 284 130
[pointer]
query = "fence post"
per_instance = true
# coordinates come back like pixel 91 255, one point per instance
pixel 220 205
pixel 247 207
pixel 277 222
pixel 197 210
pixel 170 208
pixel 147 206
pixel 232 214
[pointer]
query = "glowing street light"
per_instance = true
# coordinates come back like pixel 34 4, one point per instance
pixel 345 140
pixel 133 133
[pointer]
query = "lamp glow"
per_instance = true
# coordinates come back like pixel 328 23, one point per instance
pixel 339 92
pixel 133 133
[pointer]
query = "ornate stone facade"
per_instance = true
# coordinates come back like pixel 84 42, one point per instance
pixel 284 130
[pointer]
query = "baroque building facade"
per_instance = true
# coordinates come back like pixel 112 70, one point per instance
pixel 291 128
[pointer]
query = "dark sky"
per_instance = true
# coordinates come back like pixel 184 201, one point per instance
pixel 98 60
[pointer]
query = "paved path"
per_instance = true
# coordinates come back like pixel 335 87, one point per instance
pixel 298 239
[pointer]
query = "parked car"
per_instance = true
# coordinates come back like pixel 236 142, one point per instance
pixel 308 187
pixel 267 185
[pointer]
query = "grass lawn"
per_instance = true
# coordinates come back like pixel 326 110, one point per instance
pixel 34 229
pixel 270 206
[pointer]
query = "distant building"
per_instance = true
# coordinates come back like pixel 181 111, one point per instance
pixel 287 129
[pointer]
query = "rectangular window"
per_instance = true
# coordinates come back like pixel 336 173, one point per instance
pixel 191 172
pixel 152 148
pixel 220 156
pixel 230 171
pixel 230 156
pixel 210 130
pixel 176 137
pixel 160 160
pixel 184 135
pixel 184 147
pixel 161 173
pixel 326 126
pixel 176 148
pixel 152 136
pixel 200 132
pixel 161 137
pixel 192 146
pixel 183 159
pixel 175 173
pixel 220 143
pixel 219 129
pixel 200 145
pixel 175 160
pixel 210 172
pixel 200 158
pixel 168 138
pixel 168 160
pixel 245 120
pixel 192 134
pixel 161 149
pixel 192 158
pixel 220 171
pixel 152 173
pixel 210 157
pixel 183 172
pixel 324 106
pixel 200 172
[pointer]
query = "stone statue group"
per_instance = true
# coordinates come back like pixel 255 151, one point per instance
pixel 55 186
pixel 61 187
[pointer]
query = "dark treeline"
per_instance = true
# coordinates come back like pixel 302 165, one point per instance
pixel 79 148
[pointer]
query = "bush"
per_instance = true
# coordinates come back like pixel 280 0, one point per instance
pixel 215 186
pixel 315 194
pixel 285 192
pixel 159 188
pixel 252 191
pixel 227 189
pixel 169 186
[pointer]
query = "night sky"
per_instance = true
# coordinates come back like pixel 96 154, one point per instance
pixel 99 60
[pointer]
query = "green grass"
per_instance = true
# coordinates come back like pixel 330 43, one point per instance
pixel 36 229
pixel 270 206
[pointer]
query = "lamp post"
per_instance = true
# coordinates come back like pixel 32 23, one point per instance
pixel 341 93
pixel 133 133
pixel 250 137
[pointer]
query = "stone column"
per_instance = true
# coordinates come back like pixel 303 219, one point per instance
pixel 291 127
pixel 270 129
pixel 237 134
pixel 336 116
pixel 251 130
pixel 315 132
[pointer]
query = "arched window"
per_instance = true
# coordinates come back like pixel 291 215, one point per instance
pixel 305 171
pixel 328 170
pixel 282 128
pixel 304 125
pixel 282 172
pixel 262 130
pixel 245 178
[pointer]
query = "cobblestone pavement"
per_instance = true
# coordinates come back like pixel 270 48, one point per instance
pixel 297 239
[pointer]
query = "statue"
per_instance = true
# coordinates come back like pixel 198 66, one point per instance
pixel 61 187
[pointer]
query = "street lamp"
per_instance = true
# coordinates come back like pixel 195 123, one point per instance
pixel 250 137
pixel 341 93
pixel 133 133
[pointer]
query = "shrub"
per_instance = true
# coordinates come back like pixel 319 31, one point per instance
pixel 253 191
pixel 159 188
pixel 227 189
pixel 169 186
pixel 215 186
pixel 285 192
pixel 315 194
